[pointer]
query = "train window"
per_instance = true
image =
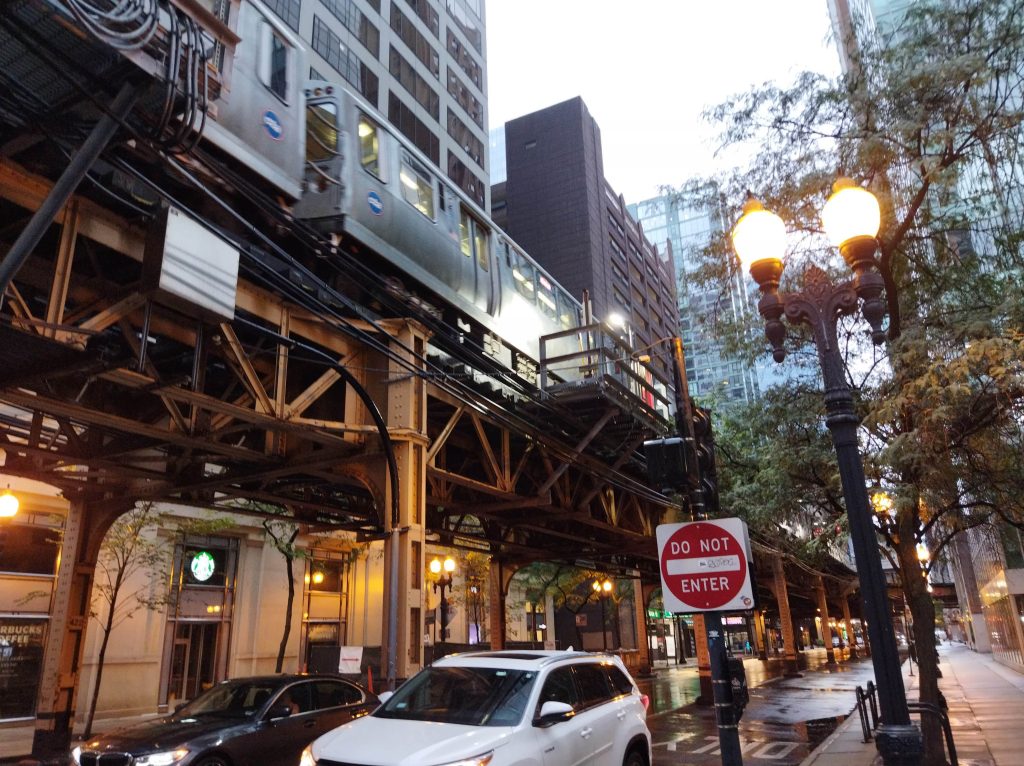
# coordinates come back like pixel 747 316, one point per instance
pixel 546 296
pixel 417 187
pixel 473 237
pixel 321 132
pixel 483 253
pixel 568 313
pixel 273 64
pixel 369 146
pixel 524 274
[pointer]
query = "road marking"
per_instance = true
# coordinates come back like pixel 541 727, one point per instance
pixel 772 750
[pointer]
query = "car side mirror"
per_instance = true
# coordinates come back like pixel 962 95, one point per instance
pixel 552 712
pixel 280 710
pixel 385 696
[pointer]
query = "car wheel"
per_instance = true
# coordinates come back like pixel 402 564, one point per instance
pixel 216 760
pixel 634 758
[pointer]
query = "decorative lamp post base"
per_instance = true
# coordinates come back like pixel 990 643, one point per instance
pixel 899 745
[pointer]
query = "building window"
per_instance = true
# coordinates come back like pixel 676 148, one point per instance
pixel 355 22
pixel 413 82
pixel 462 95
pixel 325 575
pixel 427 14
pixel 466 15
pixel 464 177
pixel 465 138
pixel 28 549
pixel 414 41
pixel 337 55
pixel 287 10
pixel 413 128
pixel 465 60
pixel 21 661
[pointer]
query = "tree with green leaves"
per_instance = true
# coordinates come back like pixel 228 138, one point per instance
pixel 132 574
pixel 282 532
pixel 931 117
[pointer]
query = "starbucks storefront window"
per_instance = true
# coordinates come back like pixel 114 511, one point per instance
pixel 21 657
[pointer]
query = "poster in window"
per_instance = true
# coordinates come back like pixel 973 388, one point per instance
pixel 21 658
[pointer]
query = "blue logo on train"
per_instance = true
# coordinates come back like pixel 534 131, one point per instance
pixel 272 124
pixel 376 204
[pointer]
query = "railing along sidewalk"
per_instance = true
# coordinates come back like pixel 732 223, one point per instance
pixel 867 710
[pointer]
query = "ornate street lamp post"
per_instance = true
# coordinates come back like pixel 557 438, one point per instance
pixel 851 219
pixel 443 581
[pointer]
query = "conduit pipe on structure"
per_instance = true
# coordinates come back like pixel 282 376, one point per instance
pixel 103 131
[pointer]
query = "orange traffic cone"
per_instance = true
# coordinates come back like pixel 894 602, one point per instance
pixel 369 678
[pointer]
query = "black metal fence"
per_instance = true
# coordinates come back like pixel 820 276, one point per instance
pixel 867 710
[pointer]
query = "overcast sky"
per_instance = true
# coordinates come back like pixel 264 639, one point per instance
pixel 646 69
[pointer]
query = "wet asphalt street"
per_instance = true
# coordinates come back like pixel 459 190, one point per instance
pixel 785 720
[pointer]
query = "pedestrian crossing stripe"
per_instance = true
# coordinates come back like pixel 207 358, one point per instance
pixel 771 750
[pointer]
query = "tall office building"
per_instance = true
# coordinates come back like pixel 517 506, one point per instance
pixel 558 205
pixel 711 372
pixel 421 63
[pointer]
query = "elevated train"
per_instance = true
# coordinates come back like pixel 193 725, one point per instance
pixel 340 169
pixel 366 181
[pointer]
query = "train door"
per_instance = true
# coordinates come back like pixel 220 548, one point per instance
pixel 323 174
pixel 475 243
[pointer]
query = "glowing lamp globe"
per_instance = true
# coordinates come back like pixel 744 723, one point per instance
pixel 759 235
pixel 449 564
pixel 850 213
pixel 435 566
pixel 8 505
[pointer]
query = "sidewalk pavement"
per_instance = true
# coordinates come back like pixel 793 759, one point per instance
pixel 986 705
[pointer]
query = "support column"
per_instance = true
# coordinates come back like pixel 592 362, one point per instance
pixel 826 628
pixel 790 663
pixel 499 577
pixel 760 635
pixel 852 637
pixel 643 640
pixel 404 548
pixel 70 609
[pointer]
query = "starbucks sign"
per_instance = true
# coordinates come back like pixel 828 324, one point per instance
pixel 203 565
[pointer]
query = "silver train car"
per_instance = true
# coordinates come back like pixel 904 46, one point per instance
pixel 367 181
pixel 259 118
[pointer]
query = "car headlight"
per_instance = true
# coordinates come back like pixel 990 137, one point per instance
pixel 76 755
pixel 476 760
pixel 168 758
pixel 307 757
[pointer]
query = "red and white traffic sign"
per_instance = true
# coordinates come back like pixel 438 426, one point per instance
pixel 705 566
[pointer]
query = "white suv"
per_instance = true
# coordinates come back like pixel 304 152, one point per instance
pixel 511 708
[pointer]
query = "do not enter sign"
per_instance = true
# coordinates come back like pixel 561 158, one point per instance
pixel 705 566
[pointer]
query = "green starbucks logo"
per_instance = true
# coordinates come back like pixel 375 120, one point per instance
pixel 203 565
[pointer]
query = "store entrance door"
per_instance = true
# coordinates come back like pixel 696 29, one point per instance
pixel 193 660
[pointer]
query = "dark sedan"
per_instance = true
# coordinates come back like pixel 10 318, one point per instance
pixel 266 721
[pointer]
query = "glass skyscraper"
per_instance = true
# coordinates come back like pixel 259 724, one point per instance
pixel 712 373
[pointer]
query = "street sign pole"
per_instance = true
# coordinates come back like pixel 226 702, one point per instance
pixel 725 712
pixel 705 569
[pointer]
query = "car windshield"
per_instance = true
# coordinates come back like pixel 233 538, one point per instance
pixel 236 699
pixel 471 696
